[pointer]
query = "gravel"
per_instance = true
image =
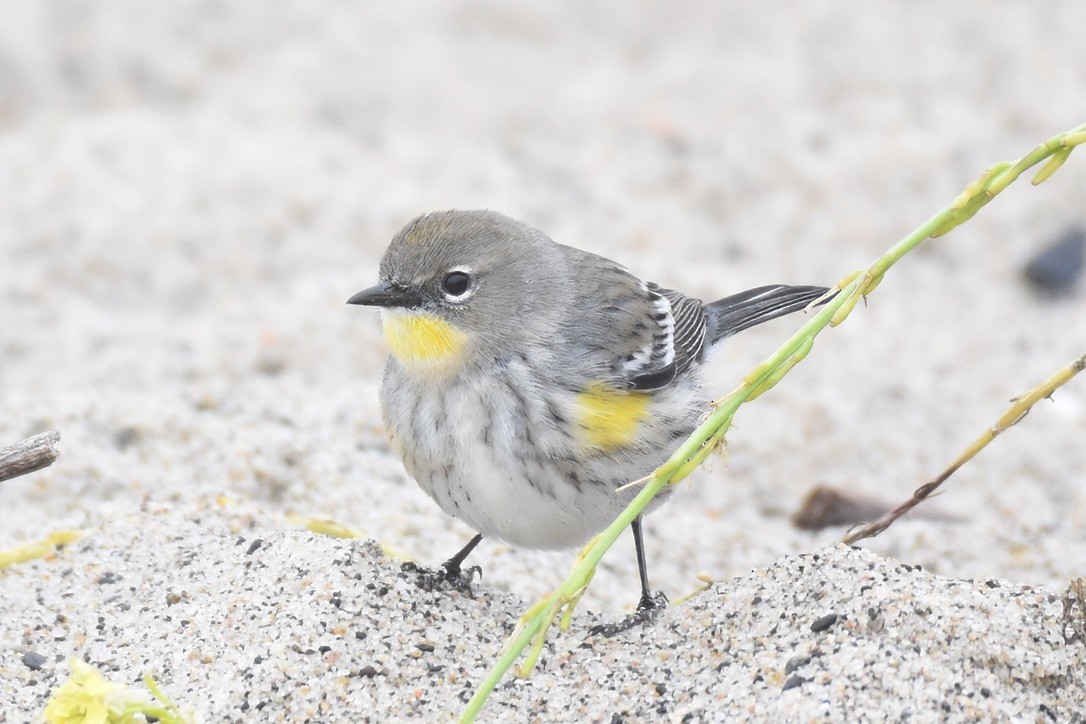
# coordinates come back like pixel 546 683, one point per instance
pixel 307 626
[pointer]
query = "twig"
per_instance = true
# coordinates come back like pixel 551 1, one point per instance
pixel 33 453
pixel 1018 409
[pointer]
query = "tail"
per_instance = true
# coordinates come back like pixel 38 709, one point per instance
pixel 744 310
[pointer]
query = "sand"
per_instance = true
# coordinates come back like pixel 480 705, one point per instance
pixel 189 194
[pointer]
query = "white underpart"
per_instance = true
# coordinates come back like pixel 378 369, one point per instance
pixel 463 442
pixel 489 449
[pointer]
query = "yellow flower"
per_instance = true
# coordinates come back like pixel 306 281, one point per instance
pixel 83 698
pixel 88 698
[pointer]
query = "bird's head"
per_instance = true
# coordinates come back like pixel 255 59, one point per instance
pixel 460 285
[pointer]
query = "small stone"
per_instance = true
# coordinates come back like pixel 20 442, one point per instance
pixel 1056 268
pixel 824 623
pixel 33 660
pixel 254 546
pixel 793 682
pixel 126 437
pixel 368 671
pixel 825 506
pixel 796 662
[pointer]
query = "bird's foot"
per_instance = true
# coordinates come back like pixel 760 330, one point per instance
pixel 648 610
pixel 448 577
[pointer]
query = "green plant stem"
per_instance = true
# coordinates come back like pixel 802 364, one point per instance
pixel 709 434
pixel 696 448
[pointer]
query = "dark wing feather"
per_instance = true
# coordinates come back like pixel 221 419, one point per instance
pixel 639 334
pixel 689 334
pixel 678 344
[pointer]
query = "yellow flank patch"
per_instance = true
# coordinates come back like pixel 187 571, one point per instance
pixel 608 417
pixel 422 342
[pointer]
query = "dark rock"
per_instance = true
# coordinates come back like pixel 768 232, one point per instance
pixel 33 660
pixel 796 662
pixel 1057 267
pixel 793 682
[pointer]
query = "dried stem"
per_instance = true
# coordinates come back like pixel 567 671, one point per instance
pixel 33 453
pixel 1019 408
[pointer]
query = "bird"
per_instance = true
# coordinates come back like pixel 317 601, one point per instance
pixel 529 382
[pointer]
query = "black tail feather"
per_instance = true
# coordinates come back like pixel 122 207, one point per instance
pixel 744 310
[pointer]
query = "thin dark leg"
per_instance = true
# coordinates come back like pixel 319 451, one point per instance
pixel 452 566
pixel 650 605
pixel 647 599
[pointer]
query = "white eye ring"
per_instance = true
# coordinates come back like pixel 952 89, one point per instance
pixel 457 285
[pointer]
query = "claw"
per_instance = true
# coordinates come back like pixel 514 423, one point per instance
pixel 648 610
pixel 447 577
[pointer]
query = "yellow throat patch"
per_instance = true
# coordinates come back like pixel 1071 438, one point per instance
pixel 423 343
pixel 608 417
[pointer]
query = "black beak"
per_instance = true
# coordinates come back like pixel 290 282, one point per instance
pixel 386 294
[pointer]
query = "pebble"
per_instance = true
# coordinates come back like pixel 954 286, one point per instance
pixel 33 660
pixel 793 682
pixel 1057 268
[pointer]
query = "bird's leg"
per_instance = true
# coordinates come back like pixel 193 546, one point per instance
pixel 450 573
pixel 451 567
pixel 650 605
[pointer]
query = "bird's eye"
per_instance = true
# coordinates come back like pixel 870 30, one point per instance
pixel 456 284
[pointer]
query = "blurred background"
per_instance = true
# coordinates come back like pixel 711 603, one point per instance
pixel 190 191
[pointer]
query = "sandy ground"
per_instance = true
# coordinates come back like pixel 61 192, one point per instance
pixel 190 192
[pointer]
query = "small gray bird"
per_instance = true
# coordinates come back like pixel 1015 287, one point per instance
pixel 528 380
